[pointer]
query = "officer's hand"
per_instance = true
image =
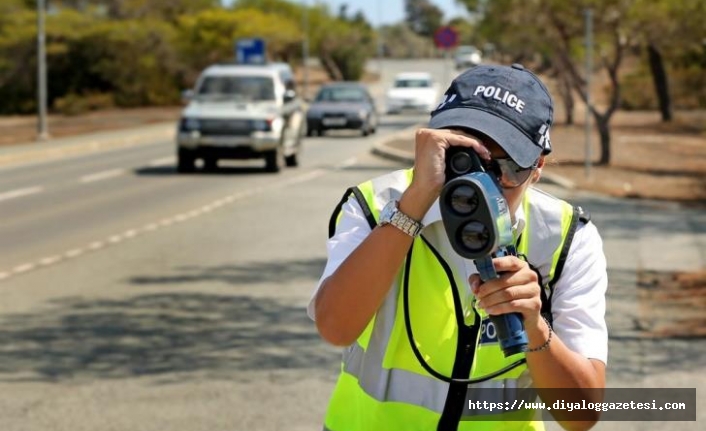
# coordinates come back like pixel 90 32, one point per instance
pixel 430 159
pixel 517 290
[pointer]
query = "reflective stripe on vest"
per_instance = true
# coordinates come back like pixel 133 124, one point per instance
pixel 383 387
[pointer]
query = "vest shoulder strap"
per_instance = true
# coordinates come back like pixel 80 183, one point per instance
pixel 579 216
pixel 358 195
pixel 584 215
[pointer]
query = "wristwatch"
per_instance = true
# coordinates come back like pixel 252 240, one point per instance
pixel 391 214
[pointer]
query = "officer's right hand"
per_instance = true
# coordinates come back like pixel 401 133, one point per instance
pixel 430 162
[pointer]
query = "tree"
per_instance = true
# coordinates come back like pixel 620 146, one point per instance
pixel 423 17
pixel 668 31
pixel 343 56
pixel 402 42
pixel 560 26
pixel 168 10
pixel 207 37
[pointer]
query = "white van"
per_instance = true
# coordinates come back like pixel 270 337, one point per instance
pixel 242 112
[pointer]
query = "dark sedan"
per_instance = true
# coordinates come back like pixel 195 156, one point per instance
pixel 342 105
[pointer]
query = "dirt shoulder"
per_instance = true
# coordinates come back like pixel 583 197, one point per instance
pixel 23 129
pixel 650 159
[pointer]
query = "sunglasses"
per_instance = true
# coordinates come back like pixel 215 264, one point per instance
pixel 509 174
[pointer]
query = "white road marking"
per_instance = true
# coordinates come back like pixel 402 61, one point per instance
pixel 49 260
pixel 73 253
pixel 20 192
pixel 98 176
pixel 164 161
pixel 347 163
pixel 23 268
pixel 150 227
pixel 96 245
pixel 115 239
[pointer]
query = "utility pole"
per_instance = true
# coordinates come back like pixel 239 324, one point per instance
pixel 305 47
pixel 589 72
pixel 381 40
pixel 42 132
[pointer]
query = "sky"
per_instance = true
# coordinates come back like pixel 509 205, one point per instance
pixel 382 11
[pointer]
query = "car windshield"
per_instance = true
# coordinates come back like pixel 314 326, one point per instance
pixel 412 83
pixel 341 94
pixel 253 88
pixel 467 50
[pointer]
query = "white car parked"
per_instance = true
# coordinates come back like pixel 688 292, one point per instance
pixel 412 90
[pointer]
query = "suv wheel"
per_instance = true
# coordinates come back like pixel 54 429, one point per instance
pixel 210 164
pixel 185 161
pixel 274 160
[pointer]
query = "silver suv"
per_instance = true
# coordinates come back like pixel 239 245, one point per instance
pixel 242 112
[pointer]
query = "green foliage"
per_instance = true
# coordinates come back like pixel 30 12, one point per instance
pixel 168 10
pixel 208 37
pixel 633 86
pixel 17 61
pixel 688 85
pixel 344 56
pixel 135 60
pixel 144 52
pixel 73 104
pixel 401 42
pixel 423 17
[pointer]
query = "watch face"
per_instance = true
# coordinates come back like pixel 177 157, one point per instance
pixel 388 211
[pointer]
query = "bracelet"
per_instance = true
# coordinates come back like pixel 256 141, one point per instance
pixel 544 346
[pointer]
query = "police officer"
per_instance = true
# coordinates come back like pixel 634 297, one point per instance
pixel 412 315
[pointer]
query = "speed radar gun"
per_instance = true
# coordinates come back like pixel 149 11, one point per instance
pixel 477 221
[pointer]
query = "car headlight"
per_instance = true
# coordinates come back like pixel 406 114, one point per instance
pixel 262 125
pixel 362 114
pixel 314 114
pixel 190 124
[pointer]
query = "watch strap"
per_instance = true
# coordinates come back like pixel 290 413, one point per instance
pixel 403 222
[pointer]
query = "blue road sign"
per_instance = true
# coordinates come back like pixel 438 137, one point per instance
pixel 250 51
pixel 445 37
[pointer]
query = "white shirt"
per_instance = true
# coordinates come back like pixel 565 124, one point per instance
pixel 578 301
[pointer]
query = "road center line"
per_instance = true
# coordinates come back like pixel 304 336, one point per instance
pixel 20 192
pixel 98 176
pixel 164 161
pixel 154 226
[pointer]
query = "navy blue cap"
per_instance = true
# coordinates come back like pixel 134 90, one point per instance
pixel 509 104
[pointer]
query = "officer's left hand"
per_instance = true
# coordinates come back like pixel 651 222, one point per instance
pixel 516 290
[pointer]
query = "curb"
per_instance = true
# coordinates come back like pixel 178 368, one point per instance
pixel 383 149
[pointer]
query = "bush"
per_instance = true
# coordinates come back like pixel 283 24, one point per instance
pixel 688 86
pixel 73 104
pixel 637 91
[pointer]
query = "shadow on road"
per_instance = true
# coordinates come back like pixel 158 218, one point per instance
pixel 218 336
pixel 655 217
pixel 172 335
pixel 240 274
pixel 221 170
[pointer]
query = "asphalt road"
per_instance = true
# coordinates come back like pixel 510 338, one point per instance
pixel 151 300
pixel 135 298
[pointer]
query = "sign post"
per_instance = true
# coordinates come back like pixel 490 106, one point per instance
pixel 446 38
pixel 250 51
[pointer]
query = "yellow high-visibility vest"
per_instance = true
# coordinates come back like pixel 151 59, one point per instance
pixel 384 387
